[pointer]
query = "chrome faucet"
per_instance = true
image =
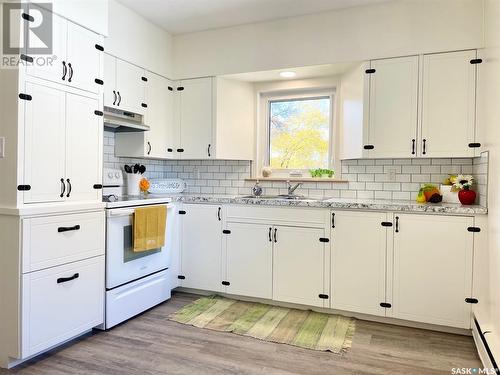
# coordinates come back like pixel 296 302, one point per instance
pixel 291 189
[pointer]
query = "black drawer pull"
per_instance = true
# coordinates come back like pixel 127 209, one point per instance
pixel 474 145
pixel 99 47
pixel 28 17
pixel 370 71
pixel 385 305
pixel 386 224
pixel 99 81
pixel 323 296
pixel 66 279
pixel 67 229
pixel 180 150
pixel 368 147
pixel 226 283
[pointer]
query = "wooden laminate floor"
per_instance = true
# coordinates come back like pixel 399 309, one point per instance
pixel 150 344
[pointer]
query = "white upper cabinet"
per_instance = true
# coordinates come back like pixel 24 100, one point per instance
pixel 44 144
pixel 359 261
pixel 63 146
pixel 416 106
pixel 448 104
pixel 433 269
pixel 163 138
pixel 196 118
pixel 392 114
pixel 84 132
pixel 130 87
pixel 84 59
pixel 77 55
pixel 124 85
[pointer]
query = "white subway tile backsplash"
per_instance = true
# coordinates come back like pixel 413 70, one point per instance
pixel 368 178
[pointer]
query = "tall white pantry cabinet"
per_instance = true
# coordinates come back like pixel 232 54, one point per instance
pixel 51 216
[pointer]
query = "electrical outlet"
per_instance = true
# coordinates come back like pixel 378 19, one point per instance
pixel 2 147
pixel 391 173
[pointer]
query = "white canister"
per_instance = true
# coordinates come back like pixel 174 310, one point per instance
pixel 449 196
pixel 133 180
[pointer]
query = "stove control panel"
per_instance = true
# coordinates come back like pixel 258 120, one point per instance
pixel 112 177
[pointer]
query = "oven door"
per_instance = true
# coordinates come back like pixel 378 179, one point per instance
pixel 122 263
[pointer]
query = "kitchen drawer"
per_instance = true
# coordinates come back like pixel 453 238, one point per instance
pixel 306 217
pixel 60 303
pixel 55 240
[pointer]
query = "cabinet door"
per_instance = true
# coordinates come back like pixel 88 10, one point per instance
pixel 433 269
pixel 448 104
pixel 84 59
pixel 249 260
pixel 60 303
pixel 83 148
pixel 109 74
pixel 160 118
pixel 196 118
pixel 299 266
pixel 55 70
pixel 130 87
pixel 393 107
pixel 201 257
pixel 44 143
pixel 359 261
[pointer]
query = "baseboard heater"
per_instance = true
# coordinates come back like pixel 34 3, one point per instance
pixel 483 348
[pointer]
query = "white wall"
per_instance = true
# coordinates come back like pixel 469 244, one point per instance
pixel 489 111
pixel 135 39
pixel 360 33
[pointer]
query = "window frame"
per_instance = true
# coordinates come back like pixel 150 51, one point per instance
pixel 264 146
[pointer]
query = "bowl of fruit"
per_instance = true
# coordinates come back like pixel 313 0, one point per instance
pixel 429 193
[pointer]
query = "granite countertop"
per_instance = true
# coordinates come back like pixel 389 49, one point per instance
pixel 342 203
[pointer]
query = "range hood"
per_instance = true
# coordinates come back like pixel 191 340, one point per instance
pixel 120 121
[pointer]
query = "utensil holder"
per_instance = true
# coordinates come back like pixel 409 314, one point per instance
pixel 133 180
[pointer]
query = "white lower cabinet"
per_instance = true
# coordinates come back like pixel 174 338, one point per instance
pixel 61 302
pixel 201 243
pixel 433 269
pixel 299 261
pixel 359 266
pixel 249 259
pixel 413 267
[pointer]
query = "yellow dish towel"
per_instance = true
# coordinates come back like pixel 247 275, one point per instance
pixel 149 227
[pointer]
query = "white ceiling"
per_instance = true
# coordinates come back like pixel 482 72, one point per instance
pixel 184 16
pixel 302 73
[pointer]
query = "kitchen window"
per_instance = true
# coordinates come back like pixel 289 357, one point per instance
pixel 299 132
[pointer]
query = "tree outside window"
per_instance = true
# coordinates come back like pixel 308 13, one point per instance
pixel 299 133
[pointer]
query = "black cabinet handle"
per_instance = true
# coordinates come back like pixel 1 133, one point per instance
pixel 218 214
pixel 180 150
pixel 413 147
pixel 68 229
pixel 397 224
pixel 70 72
pixel 115 97
pixel 66 279
pixel 270 234
pixel 208 150
pixel 333 219
pixel 65 70
pixel 63 187
pixel 275 236
pixel 119 98
pixel 149 148
pixel 423 146
pixel 170 150
pixel 69 187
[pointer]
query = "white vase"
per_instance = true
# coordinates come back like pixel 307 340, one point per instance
pixel 133 180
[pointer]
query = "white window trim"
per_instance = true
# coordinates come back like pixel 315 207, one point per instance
pixel 263 129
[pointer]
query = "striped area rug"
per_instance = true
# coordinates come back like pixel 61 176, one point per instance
pixel 307 329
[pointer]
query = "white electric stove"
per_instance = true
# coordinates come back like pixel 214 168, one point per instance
pixel 135 281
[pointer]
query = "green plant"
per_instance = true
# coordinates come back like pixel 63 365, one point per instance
pixel 320 172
